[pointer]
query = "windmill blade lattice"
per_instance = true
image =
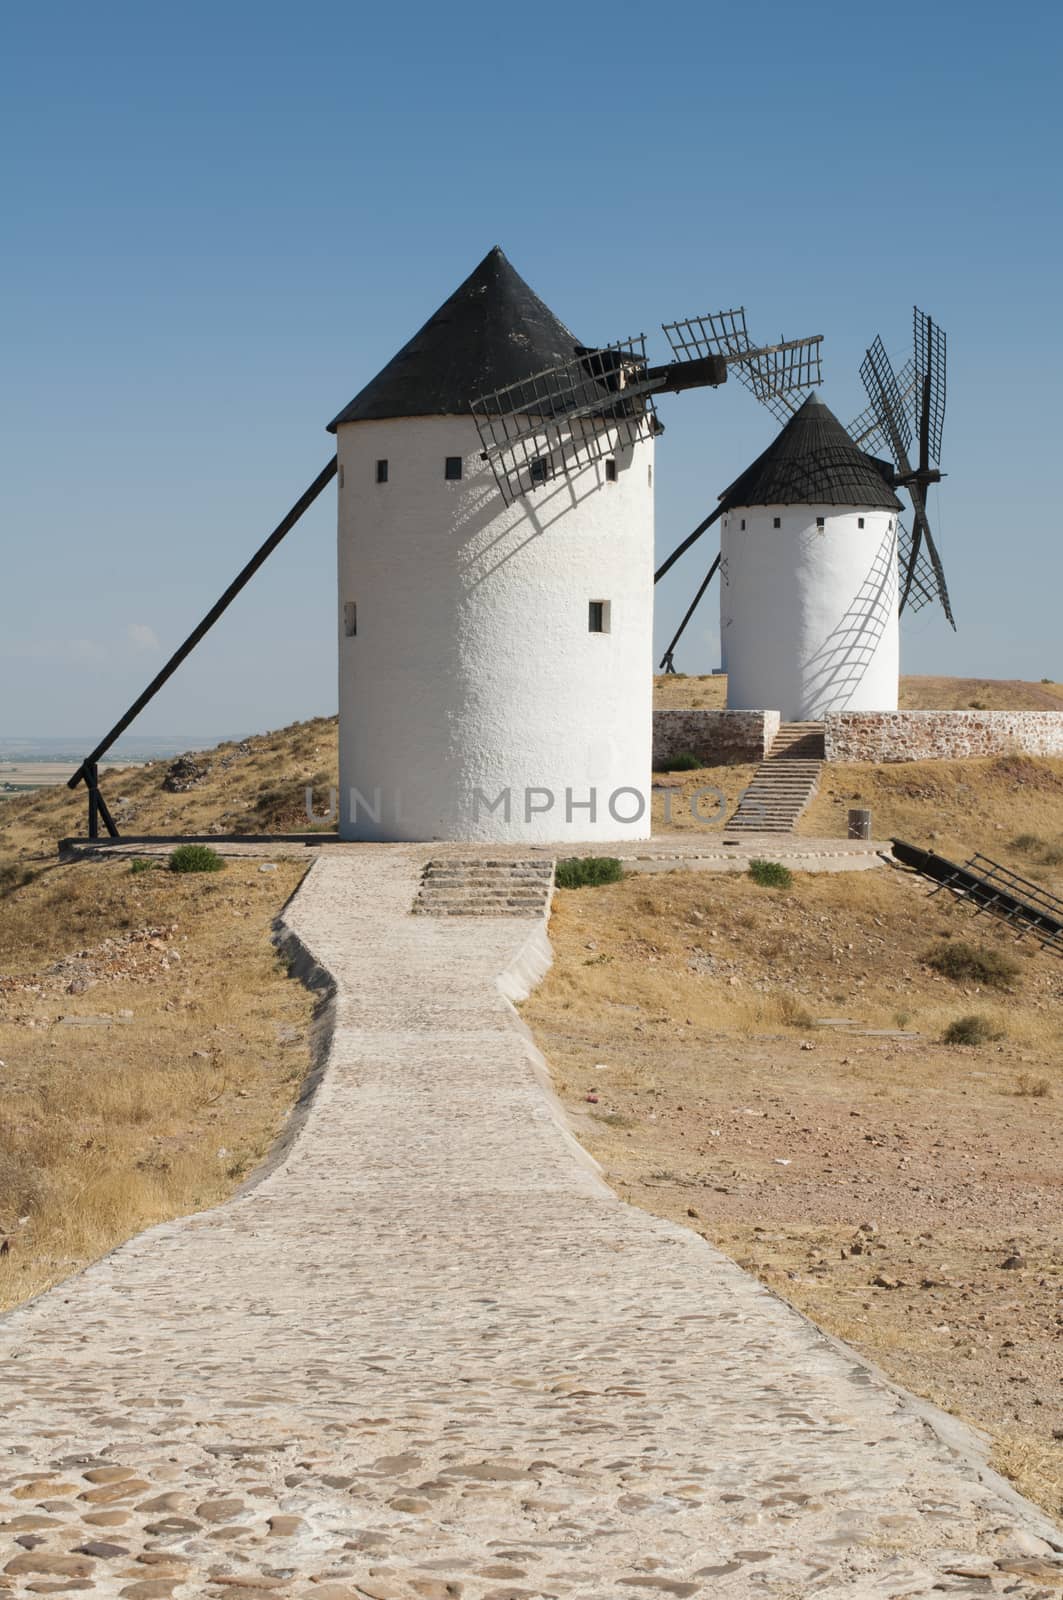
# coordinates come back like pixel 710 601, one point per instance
pixel 930 357
pixel 869 430
pixel 884 393
pixel 923 590
pixel 779 376
pixel 566 417
pixel 901 408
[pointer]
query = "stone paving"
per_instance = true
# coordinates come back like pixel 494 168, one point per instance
pixel 705 849
pixel 429 1355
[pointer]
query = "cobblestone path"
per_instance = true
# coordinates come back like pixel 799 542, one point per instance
pixel 431 1355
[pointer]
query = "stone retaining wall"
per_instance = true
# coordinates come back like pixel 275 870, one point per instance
pixel 719 738
pixel 941 735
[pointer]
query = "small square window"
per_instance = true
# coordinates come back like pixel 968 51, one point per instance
pixel 453 468
pixel 350 618
pixel 821 522
pixel 381 472
pixel 540 469
pixel 859 522
pixel 776 522
pixel 598 616
pixel 610 469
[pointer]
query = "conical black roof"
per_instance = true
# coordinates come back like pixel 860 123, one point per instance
pixel 494 330
pixel 812 462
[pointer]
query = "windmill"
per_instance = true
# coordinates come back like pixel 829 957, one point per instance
pixel 902 407
pixel 558 421
pixel 492 644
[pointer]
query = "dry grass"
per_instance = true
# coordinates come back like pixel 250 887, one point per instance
pixel 716 952
pixel 152 1048
pixel 686 1004
pixel 256 786
pixel 916 694
pixel 955 808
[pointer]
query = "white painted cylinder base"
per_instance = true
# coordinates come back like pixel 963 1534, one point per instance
pixel 476 702
pixel 808 609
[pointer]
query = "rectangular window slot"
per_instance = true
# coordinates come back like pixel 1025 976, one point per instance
pixel 453 468
pixel 649 476
pixel 381 472
pixel 610 469
pixel 540 469
pixel 598 616
pixel 776 522
pixel 350 618
pixel 339 477
pixel 743 524
pixel 821 522
pixel 859 522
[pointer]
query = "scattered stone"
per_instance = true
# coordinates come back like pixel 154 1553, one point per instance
pixel 219 1510
pixel 184 774
pixel 647 1580
pixel 1050 1572
pixel 286 1527
pixel 1012 1262
pixel 171 1501
pixel 50 1565
pixel 252 1581
pixel 106 1493
pixel 101 1549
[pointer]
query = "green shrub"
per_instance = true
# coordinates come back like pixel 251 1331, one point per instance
pixel 991 969
pixel 771 874
pixel 972 1029
pixel 195 858
pixel 581 872
pixel 140 864
pixel 686 761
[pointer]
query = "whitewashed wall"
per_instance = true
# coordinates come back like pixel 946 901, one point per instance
pixel 473 667
pixel 808 616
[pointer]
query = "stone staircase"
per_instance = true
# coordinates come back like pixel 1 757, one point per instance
pixel 478 887
pixel 784 783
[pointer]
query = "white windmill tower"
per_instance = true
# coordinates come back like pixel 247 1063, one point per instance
pixel 808 576
pixel 495 654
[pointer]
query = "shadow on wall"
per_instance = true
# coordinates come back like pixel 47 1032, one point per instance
pixel 836 671
pixel 564 491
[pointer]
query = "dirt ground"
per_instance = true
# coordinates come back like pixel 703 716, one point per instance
pixel 903 1193
pixel 151 1048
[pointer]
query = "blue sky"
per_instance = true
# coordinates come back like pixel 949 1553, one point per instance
pixel 221 220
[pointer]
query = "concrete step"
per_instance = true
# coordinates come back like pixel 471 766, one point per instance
pixel 468 886
pixel 782 786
